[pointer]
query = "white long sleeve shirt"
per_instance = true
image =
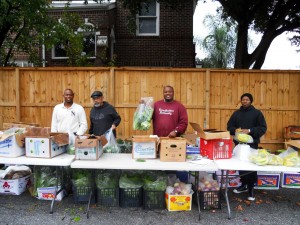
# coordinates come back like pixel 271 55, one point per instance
pixel 69 120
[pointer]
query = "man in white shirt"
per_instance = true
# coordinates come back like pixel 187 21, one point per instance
pixel 69 117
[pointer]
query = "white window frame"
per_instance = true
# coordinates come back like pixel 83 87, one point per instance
pixel 157 16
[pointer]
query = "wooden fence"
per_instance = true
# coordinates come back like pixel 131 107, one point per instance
pixel 210 96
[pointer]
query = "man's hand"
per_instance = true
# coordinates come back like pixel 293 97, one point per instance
pixel 172 134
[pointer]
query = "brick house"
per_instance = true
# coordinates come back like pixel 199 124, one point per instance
pixel 164 37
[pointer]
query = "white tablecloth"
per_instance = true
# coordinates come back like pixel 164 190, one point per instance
pixel 125 161
pixel 235 164
pixel 60 160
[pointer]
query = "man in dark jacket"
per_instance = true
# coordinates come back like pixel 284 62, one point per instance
pixel 251 121
pixel 103 116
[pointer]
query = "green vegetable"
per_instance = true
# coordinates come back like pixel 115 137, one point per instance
pixel 143 115
pixel 82 177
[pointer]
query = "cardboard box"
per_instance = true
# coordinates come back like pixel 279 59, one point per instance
pixel 87 149
pixel 144 147
pixel 15 187
pixel 19 124
pixel 294 143
pixel 268 181
pixel 209 134
pixel 233 181
pixel 290 180
pixel 178 202
pixel 191 139
pixel 172 149
pixel 48 193
pixel 11 143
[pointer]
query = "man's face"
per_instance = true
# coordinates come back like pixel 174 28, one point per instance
pixel 245 102
pixel 98 101
pixel 68 96
pixel 168 94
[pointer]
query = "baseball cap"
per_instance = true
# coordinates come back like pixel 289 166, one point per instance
pixel 96 94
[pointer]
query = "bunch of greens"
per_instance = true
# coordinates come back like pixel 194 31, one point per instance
pixel 125 146
pixel 82 177
pixel 143 114
pixel 155 181
pixel 107 179
pixel 131 179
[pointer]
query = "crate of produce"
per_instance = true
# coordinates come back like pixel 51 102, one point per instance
pixel 108 197
pixel 154 200
pixel 83 194
pixel 209 199
pixel 216 148
pixel 131 197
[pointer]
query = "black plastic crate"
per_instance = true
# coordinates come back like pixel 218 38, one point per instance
pixel 108 197
pixel 131 197
pixel 154 200
pixel 82 194
pixel 210 199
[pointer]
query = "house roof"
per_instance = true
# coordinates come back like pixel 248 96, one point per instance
pixel 79 5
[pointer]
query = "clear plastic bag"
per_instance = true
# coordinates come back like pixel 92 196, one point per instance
pixel 111 146
pixel 143 114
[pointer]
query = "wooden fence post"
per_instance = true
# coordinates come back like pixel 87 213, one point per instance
pixel 207 99
pixel 17 102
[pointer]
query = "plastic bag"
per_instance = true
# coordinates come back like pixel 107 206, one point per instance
pixel 131 179
pixel 111 146
pixel 243 138
pixel 107 179
pixel 143 114
pixel 290 157
pixel 243 151
pixel 154 181
pixel 260 157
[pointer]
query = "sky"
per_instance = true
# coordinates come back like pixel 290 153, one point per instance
pixel 281 55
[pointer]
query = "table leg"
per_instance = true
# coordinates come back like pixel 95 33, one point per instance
pixel 88 206
pixel 197 195
pixel 226 194
pixel 56 188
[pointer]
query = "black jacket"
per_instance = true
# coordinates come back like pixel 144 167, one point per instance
pixel 102 119
pixel 248 118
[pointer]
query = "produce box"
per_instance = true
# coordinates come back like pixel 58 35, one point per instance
pixel 48 193
pixel 154 199
pixel 178 202
pixel 209 199
pixel 290 180
pixel 12 142
pixel 268 181
pixel 233 181
pixel 87 149
pixel 16 186
pixel 216 148
pixel 172 149
pixel 209 134
pixel 230 172
pixel 43 147
pixel 144 147
pixel 191 139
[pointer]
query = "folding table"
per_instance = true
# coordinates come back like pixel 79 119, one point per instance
pixel 235 164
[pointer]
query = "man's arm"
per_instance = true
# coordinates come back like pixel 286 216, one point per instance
pixel 54 121
pixel 82 122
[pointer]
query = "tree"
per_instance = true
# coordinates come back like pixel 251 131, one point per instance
pixel 271 18
pixel 219 44
pixel 21 26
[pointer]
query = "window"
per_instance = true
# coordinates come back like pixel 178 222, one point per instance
pixel 89 43
pixel 148 19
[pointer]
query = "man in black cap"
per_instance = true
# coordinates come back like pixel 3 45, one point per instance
pixel 251 121
pixel 103 116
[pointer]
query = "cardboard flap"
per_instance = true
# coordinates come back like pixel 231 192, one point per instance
pixel 60 138
pixel 209 133
pixel 20 139
pixel 102 139
pixel 3 137
pixel 38 132
pixel 295 143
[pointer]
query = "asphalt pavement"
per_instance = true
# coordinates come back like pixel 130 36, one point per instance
pixel 271 207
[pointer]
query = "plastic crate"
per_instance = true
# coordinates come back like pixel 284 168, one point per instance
pixel 131 197
pixel 209 199
pixel 82 194
pixel 154 200
pixel 216 148
pixel 108 197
